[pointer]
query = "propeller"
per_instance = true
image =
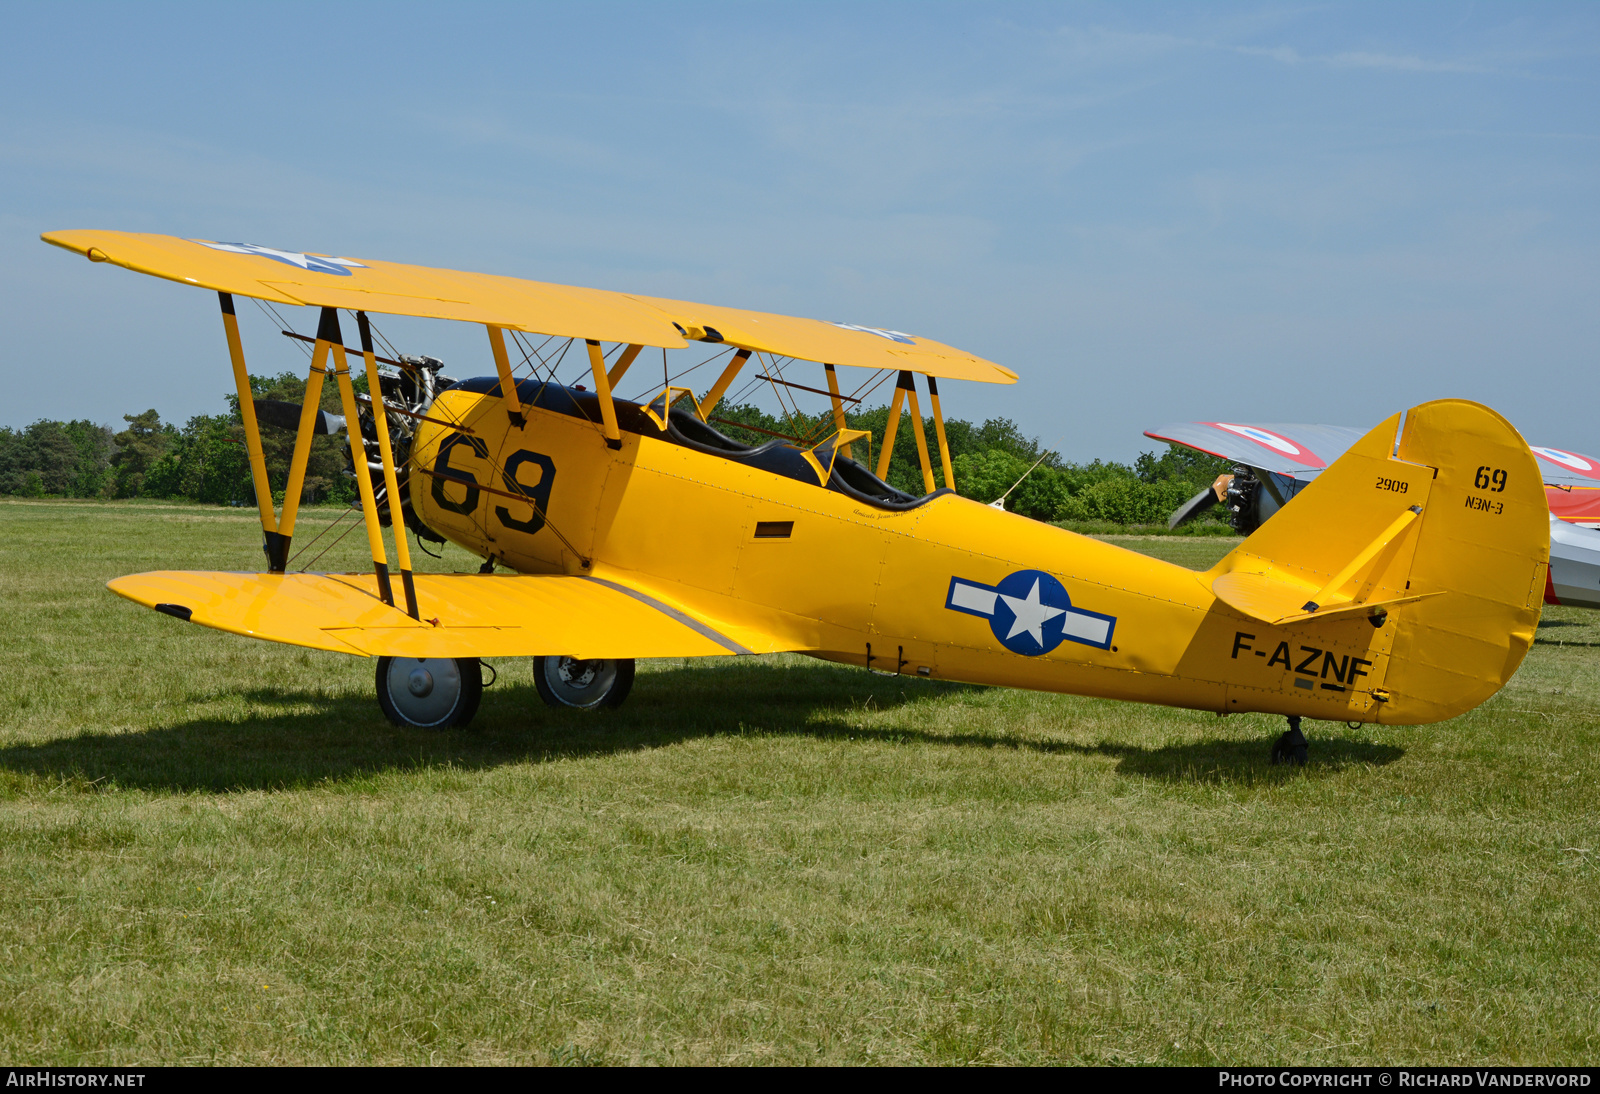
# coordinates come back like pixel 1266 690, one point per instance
pixel 276 412
pixel 1200 503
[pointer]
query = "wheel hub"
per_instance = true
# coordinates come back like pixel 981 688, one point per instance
pixel 424 690
pixel 578 674
pixel 579 683
pixel 420 682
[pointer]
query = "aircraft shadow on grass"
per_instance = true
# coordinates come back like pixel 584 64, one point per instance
pixel 1214 760
pixel 345 737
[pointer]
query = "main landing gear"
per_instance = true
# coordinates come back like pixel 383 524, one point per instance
pixel 566 683
pixel 441 692
pixel 429 692
pixel 1291 748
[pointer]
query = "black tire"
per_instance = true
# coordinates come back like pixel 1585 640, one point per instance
pixel 1291 748
pixel 429 692
pixel 566 683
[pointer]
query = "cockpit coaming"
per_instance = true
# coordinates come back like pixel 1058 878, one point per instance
pixel 493 485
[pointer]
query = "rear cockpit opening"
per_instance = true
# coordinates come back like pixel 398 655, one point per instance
pixel 786 458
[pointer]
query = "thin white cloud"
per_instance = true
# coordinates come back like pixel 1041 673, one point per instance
pixel 1103 46
pixel 1288 55
pixel 1403 64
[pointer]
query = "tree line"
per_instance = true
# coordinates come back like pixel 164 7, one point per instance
pixel 204 460
pixel 993 458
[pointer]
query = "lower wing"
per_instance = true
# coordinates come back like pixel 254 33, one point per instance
pixel 463 615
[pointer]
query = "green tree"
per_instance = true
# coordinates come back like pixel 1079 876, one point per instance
pixel 206 462
pixel 1180 464
pixel 93 447
pixel 60 458
pixel 13 460
pixel 985 475
pixel 139 448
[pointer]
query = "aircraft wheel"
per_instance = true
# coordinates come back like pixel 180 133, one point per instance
pixel 429 692
pixel 566 683
pixel 1292 747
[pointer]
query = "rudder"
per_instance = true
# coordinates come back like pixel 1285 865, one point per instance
pixel 1441 540
pixel 1485 546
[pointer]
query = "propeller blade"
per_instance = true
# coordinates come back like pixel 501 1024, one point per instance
pixel 1192 508
pixel 276 412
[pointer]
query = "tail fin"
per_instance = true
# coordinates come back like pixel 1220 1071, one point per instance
pixel 1440 541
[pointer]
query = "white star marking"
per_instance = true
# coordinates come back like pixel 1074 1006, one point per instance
pixel 1031 615
pixel 293 258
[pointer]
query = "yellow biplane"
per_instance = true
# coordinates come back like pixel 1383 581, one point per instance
pixel 1407 591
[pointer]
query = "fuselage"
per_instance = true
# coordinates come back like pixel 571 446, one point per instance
pixel 941 587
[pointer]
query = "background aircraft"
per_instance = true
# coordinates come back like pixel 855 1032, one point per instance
pixel 1275 462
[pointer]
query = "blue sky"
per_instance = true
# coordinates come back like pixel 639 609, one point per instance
pixel 1153 213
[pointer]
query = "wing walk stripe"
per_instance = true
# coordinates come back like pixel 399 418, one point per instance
pixel 666 609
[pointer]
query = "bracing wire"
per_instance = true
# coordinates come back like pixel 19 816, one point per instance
pixel 791 409
pixel 1046 454
pixel 388 345
pixel 329 547
pixel 816 426
pixel 744 393
pixel 667 380
pixel 555 365
pixel 882 378
pixel 325 529
pixel 527 355
pixel 531 353
pixel 517 492
pixel 283 324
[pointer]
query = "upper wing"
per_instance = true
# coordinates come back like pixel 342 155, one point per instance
pixel 291 277
pixel 834 343
pixel 464 615
pixel 294 277
pixel 1574 506
pixel 1561 467
pixel 1292 450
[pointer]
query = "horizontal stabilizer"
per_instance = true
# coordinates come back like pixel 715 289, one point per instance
pixel 1277 599
pixel 463 615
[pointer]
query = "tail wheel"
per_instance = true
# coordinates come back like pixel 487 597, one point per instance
pixel 429 692
pixel 1292 747
pixel 567 683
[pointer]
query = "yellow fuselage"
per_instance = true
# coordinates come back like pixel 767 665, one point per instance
pixel 932 590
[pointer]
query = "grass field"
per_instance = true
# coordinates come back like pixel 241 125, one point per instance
pixel 216 850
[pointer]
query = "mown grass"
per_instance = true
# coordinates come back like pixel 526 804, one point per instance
pixel 213 849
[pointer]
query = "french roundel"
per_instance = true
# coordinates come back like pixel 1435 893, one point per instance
pixel 1275 441
pixel 1570 460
